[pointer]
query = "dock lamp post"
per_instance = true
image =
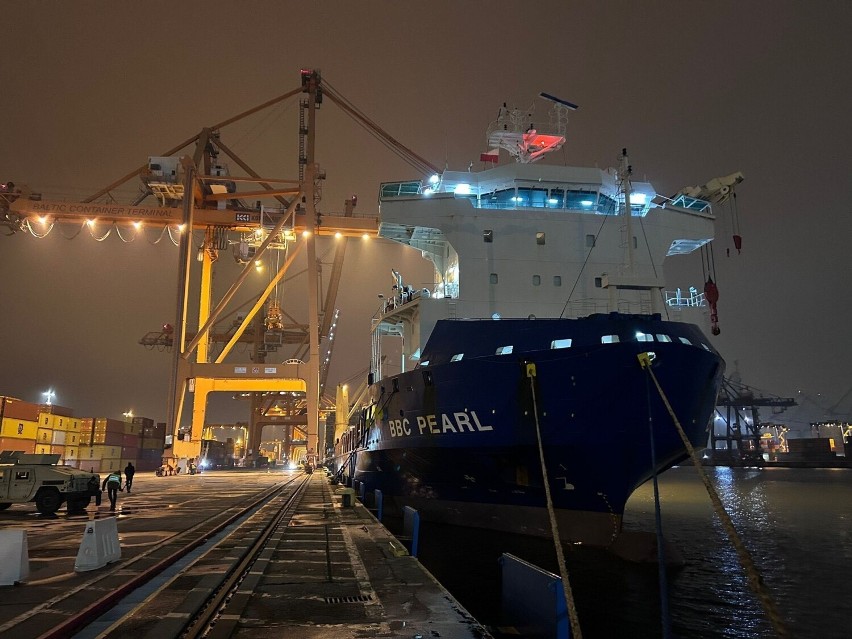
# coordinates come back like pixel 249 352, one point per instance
pixel 49 394
pixel 128 416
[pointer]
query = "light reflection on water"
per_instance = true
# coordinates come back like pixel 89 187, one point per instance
pixel 794 522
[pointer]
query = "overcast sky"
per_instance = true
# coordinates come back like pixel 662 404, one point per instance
pixel 694 90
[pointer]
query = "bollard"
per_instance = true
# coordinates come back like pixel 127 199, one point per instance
pixel 348 497
pixel 411 527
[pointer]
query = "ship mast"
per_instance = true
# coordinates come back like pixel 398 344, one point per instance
pixel 626 170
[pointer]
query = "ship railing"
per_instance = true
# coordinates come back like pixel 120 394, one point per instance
pixel 401 189
pixel 685 202
pixel 679 299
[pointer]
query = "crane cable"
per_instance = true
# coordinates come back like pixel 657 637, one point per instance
pixel 755 580
pixel 576 632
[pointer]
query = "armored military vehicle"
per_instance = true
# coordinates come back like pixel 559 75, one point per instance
pixel 26 477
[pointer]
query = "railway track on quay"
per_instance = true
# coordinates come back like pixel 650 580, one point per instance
pixel 187 520
pixel 230 555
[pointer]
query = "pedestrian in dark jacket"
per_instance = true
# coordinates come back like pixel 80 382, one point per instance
pixel 129 471
pixel 112 484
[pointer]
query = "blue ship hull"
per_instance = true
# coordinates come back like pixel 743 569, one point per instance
pixel 458 439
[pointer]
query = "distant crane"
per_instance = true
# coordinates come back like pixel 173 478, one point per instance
pixel 742 435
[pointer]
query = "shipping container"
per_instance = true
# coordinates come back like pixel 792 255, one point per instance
pixel 42 449
pixel 19 409
pixel 150 454
pixel 110 464
pixel 44 435
pixel 132 429
pixel 56 409
pixel 14 443
pixel 59 437
pixel 76 439
pixel 107 424
pixel 155 432
pixel 105 451
pixel 90 465
pixel 109 438
pixel 19 428
pixel 143 421
pixel 129 453
pixel 147 466
pixel 152 442
pixel 130 441
pixel 58 450
pixel 71 454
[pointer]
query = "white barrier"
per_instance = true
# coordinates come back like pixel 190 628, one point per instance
pixel 99 546
pixel 14 556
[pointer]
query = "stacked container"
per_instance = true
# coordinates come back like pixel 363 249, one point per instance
pixel 18 424
pixel 130 442
pixel 151 443
pixel 107 440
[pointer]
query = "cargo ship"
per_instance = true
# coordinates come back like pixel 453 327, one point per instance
pixel 548 286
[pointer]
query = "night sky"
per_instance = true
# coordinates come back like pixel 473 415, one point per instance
pixel 694 90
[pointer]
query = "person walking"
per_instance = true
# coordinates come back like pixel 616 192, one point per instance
pixel 112 484
pixel 129 471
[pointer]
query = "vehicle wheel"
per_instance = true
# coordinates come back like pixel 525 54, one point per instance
pixel 48 501
pixel 4 506
pixel 78 503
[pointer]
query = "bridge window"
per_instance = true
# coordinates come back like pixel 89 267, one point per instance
pixel 556 199
pixel 536 280
pixel 590 241
pixel 598 282
pixel 532 197
pixel 581 200
pixel 663 338
pixel 488 236
pixel 425 362
pixel 539 238
pixel 644 337
pixel 685 341
pixel 504 350
pixel 493 278
pixel 609 339
pixel 561 343
pixel 457 357
pixel 557 280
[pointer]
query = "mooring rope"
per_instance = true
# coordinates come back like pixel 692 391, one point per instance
pixel 665 617
pixel 755 580
pixel 576 633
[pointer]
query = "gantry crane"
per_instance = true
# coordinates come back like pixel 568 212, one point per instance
pixel 197 194
pixel 210 200
pixel 742 435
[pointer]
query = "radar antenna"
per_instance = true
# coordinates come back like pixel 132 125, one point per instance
pixel 515 131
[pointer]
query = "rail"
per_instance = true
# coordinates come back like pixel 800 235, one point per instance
pixel 177 547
